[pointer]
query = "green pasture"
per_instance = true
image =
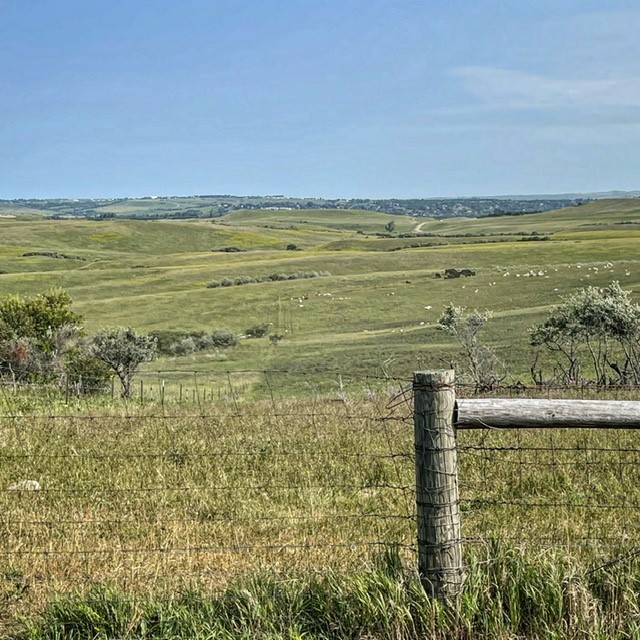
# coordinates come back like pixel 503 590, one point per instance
pixel 376 311
pixel 153 498
pixel 342 219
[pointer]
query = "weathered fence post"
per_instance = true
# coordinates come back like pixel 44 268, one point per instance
pixel 439 543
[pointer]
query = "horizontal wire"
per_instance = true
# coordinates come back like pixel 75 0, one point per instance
pixel 198 416
pixel 209 454
pixel 227 487
pixel 551 505
pixel 555 540
pixel 203 520
pixel 549 449
pixel 203 573
pixel 238 548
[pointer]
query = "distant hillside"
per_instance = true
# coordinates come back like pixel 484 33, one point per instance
pixel 211 206
pixel 378 307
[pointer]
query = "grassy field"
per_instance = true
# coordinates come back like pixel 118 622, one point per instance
pixel 280 505
pixel 290 507
pixel 378 308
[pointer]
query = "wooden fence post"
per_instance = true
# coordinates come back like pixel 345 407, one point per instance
pixel 439 543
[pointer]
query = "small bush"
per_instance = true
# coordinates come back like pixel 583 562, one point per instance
pixel 178 342
pixel 223 339
pixel 257 331
pixel 86 373
pixel 274 277
pixel 293 247
pixel 183 347
pixel 166 339
pixel 202 340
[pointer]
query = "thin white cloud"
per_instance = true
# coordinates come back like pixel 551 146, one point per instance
pixel 510 88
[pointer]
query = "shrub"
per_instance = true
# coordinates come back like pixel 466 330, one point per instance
pixel 202 340
pixel 178 342
pixel 166 339
pixel 274 277
pixel 86 373
pixel 20 358
pixel 257 331
pixel 45 319
pixel 223 339
pixel 482 364
pixel 183 347
pixel 598 326
pixel 293 247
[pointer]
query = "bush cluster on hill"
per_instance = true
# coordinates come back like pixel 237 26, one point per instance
pixel 275 277
pixel 182 343
pixel 42 340
pixel 53 254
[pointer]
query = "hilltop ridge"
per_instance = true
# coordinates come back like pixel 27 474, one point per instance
pixel 211 206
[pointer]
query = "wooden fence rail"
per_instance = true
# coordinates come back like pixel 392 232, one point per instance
pixel 523 413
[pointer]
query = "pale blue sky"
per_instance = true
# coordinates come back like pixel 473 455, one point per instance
pixel 333 98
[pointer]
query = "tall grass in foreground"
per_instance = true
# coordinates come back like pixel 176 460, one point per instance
pixel 504 598
pixel 265 519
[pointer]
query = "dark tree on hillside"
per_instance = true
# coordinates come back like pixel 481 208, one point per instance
pixel 123 350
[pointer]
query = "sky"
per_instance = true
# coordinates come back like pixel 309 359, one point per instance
pixel 325 98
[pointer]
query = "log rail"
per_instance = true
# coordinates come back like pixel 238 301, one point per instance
pixel 524 413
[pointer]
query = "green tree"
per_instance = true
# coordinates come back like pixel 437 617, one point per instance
pixel 594 328
pixel 123 350
pixel 42 318
pixel 390 226
pixel 85 373
pixel 35 331
pixel 223 339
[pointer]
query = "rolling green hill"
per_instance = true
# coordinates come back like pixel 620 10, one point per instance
pixel 345 219
pixel 379 306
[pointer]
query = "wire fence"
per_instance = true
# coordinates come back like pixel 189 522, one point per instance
pixel 200 386
pixel 159 495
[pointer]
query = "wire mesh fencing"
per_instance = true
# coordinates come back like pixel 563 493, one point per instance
pixel 285 472
pixel 159 497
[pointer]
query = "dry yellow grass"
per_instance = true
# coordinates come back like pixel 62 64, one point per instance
pixel 155 500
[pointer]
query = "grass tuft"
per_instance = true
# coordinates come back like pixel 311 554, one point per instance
pixel 508 596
